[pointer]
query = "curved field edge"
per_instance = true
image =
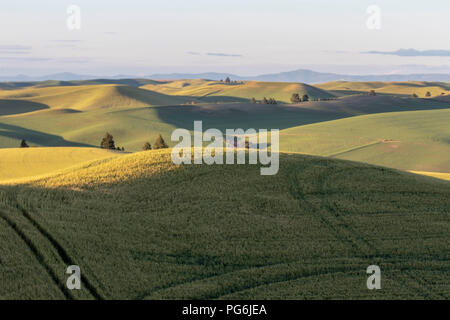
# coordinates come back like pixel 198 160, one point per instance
pixel 19 165
pixel 142 227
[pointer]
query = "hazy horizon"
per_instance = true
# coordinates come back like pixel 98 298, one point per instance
pixel 245 38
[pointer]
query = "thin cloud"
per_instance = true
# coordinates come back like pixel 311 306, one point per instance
pixel 32 59
pixel 193 53
pixel 67 41
pixel 413 53
pixel 14 49
pixel 220 54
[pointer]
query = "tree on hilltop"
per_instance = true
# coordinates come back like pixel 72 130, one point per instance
pixel 295 98
pixel 24 144
pixel 272 101
pixel 147 146
pixel 108 142
pixel 160 143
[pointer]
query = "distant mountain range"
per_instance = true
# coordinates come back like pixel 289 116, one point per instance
pixel 301 75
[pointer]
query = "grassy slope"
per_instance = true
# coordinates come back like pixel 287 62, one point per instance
pixel 401 88
pixel 416 140
pixel 28 162
pixel 89 97
pixel 280 91
pixel 438 175
pixel 131 127
pixel 140 227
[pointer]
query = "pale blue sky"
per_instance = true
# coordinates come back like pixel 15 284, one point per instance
pixel 247 36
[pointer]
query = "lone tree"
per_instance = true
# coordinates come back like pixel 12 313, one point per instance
pixel 147 146
pixel 160 143
pixel 108 142
pixel 428 94
pixel 372 93
pixel 415 95
pixel 305 98
pixel 253 100
pixel 228 80
pixel 295 98
pixel 24 144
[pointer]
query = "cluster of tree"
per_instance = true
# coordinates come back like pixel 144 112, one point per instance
pixel 159 144
pixel 108 143
pixel 229 81
pixel 264 101
pixel 295 98
pixel 270 101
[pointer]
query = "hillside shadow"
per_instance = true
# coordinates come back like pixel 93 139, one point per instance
pixel 282 116
pixel 245 116
pixel 12 106
pixel 37 137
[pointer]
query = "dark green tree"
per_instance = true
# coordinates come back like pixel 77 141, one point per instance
pixel 428 94
pixel 272 101
pixel 108 142
pixel 372 93
pixel 147 146
pixel 160 143
pixel 305 98
pixel 264 101
pixel 295 98
pixel 24 144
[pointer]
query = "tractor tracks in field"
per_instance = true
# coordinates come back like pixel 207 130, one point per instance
pixel 331 219
pixel 59 249
pixel 37 254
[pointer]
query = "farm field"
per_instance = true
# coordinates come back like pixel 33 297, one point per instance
pixel 141 227
pixel 77 114
pixel 413 140
pixel 23 163
pixel 408 88
pixel 281 91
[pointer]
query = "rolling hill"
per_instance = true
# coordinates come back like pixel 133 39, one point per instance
pixel 280 91
pixel 21 163
pixel 140 227
pixel 408 88
pixel 131 127
pixel 413 140
pixel 89 97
